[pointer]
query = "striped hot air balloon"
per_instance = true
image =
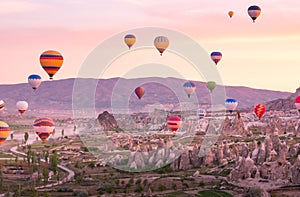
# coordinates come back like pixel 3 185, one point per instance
pixel 4 131
pixel 51 62
pixel 201 113
pixel 161 43
pixel 2 105
pixel 259 110
pixel 231 104
pixel 43 127
pixel 216 56
pixel 297 103
pixel 189 88
pixel 129 39
pixel 34 81
pixel 174 122
pixel 254 11
pixel 139 91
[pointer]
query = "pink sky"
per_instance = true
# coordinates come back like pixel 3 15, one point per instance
pixel 261 55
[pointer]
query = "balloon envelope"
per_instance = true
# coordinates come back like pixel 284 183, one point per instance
pixel 230 13
pixel 254 11
pixel 2 105
pixel 22 106
pixel 201 113
pixel 139 91
pixel 216 57
pixel 34 81
pixel 211 85
pixel 259 110
pixel 189 88
pixel 51 61
pixel 297 103
pixel 129 40
pixel 174 122
pixel 231 104
pixel 161 43
pixel 43 127
pixel 4 131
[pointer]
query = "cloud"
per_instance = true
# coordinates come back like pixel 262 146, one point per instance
pixel 17 6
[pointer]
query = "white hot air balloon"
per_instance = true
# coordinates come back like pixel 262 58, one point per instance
pixel 22 106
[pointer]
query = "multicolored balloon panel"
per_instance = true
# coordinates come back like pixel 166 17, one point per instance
pixel 34 81
pixel 189 88
pixel 254 11
pixel 260 110
pixel 4 132
pixel 161 43
pixel 174 122
pixel 129 39
pixel 231 104
pixel 2 105
pixel 216 56
pixel 51 62
pixel 43 127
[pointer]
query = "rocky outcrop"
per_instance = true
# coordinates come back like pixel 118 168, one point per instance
pixel 234 127
pixel 295 169
pixel 245 169
pixel 108 122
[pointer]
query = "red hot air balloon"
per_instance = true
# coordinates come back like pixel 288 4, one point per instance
pixel 174 123
pixel 140 91
pixel 259 110
pixel 297 103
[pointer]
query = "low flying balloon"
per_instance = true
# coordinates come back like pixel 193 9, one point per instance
pixel 139 91
pixel 4 132
pixel 254 11
pixel 259 110
pixel 216 56
pixel 161 43
pixel 34 81
pixel 201 113
pixel 22 106
pixel 189 88
pixel 129 40
pixel 211 85
pixel 230 13
pixel 231 104
pixel 51 62
pixel 2 105
pixel 43 127
pixel 297 103
pixel 174 122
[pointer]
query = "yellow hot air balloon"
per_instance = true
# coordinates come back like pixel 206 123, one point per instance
pixel 230 13
pixel 211 85
pixel 129 39
pixel 51 62
pixel 4 131
pixel 161 43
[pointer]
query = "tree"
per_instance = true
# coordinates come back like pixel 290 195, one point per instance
pixel 45 175
pixel 11 136
pixel 54 162
pixel 17 158
pixel 62 132
pixel 26 136
pixel 46 156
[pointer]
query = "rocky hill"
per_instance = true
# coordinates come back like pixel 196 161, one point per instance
pixel 283 104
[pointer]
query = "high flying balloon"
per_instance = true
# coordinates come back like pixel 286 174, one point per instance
pixel 189 88
pixel 174 122
pixel 297 103
pixel 139 91
pixel 129 40
pixel 211 85
pixel 4 131
pixel 230 13
pixel 34 81
pixel 259 110
pixel 2 105
pixel 254 11
pixel 161 43
pixel 231 104
pixel 216 56
pixel 22 106
pixel 43 127
pixel 51 61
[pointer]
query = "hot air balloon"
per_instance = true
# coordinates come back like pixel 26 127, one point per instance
pixel 161 43
pixel 139 91
pixel 231 104
pixel 230 13
pixel 211 85
pixel 130 40
pixel 297 103
pixel 189 88
pixel 34 81
pixel 51 62
pixel 259 110
pixel 43 127
pixel 174 123
pixel 2 105
pixel 4 131
pixel 22 106
pixel 254 12
pixel 216 57
pixel 201 113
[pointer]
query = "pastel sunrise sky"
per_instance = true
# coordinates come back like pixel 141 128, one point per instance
pixel 264 54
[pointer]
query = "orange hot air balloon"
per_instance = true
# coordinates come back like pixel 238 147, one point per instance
pixel 51 62
pixel 43 127
pixel 230 13
pixel 4 132
pixel 174 122
pixel 259 110
pixel 140 91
